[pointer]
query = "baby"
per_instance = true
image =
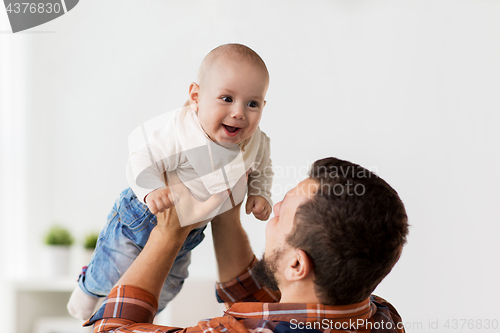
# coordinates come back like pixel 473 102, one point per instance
pixel 211 145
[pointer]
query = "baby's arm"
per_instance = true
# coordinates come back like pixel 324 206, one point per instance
pixel 260 182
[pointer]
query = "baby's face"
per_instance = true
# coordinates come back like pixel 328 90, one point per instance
pixel 230 100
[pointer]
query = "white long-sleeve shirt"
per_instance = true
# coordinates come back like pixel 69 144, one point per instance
pixel 176 142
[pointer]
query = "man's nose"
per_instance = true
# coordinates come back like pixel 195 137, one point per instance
pixel 276 209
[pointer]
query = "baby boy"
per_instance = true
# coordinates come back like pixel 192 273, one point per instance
pixel 211 144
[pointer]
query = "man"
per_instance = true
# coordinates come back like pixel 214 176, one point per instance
pixel 331 241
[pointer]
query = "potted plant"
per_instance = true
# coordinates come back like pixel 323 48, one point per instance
pixel 58 241
pixel 58 236
pixel 89 244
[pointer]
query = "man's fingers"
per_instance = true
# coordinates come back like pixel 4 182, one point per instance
pixel 160 206
pixel 173 197
pixel 204 211
pixel 161 217
pixel 166 202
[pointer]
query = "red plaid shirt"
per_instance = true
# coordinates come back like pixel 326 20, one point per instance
pixel 252 308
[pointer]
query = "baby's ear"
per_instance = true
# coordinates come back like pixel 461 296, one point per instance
pixel 194 95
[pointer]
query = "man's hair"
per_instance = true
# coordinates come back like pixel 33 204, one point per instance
pixel 353 230
pixel 234 51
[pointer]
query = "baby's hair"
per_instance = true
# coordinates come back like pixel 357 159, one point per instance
pixel 235 51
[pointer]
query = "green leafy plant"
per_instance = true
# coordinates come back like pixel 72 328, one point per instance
pixel 58 235
pixel 90 241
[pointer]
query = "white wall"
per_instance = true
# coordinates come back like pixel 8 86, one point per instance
pixel 408 88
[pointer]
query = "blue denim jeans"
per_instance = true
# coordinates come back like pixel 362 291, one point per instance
pixel 127 230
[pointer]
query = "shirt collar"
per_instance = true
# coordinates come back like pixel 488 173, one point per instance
pixel 305 311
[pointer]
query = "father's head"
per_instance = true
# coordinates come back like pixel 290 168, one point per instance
pixel 336 235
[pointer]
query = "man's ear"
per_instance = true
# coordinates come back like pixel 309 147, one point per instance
pixel 194 96
pixel 299 267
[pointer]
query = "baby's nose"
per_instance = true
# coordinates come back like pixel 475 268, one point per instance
pixel 238 111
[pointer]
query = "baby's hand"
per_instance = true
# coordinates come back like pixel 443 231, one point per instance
pixel 259 206
pixel 159 200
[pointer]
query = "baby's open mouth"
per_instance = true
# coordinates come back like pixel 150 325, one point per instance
pixel 231 129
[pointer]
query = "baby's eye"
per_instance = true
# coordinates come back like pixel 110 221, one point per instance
pixel 227 99
pixel 253 104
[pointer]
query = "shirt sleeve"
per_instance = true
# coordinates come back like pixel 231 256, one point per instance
pixel 130 309
pixel 260 180
pixel 245 288
pixel 152 152
pixel 125 305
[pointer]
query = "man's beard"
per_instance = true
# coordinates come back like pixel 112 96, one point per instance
pixel 264 270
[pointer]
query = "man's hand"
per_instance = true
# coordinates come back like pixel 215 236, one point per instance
pixel 159 200
pixel 259 206
pixel 188 208
pixel 168 224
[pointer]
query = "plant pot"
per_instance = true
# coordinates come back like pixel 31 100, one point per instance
pixel 55 260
